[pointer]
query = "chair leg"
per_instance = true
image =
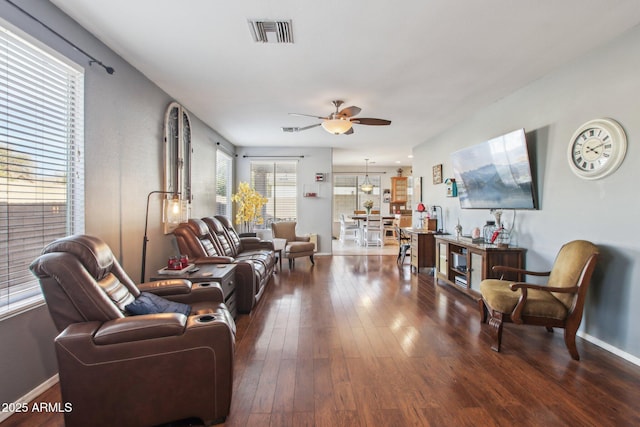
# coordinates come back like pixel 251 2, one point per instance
pixel 483 311
pixel 495 325
pixel 311 258
pixel 291 265
pixel 570 342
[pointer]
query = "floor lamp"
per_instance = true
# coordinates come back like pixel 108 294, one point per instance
pixel 176 206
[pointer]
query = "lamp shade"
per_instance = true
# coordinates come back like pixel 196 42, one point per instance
pixel 367 187
pixel 336 126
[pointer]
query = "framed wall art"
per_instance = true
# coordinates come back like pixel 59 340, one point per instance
pixel 437 174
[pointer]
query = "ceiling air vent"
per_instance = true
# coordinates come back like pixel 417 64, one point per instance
pixel 271 31
pixel 290 129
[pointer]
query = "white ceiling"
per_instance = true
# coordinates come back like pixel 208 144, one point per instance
pixel 424 65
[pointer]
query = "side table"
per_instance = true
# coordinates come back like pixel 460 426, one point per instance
pixel 224 274
pixel 278 246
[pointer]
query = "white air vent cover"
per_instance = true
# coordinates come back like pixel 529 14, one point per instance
pixel 267 31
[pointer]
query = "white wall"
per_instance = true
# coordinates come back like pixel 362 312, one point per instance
pixel 314 213
pixel 605 83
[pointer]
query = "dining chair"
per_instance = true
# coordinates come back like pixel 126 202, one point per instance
pixel 348 229
pixel 373 231
pixel 404 245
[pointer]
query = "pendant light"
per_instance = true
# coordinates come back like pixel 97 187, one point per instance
pixel 367 186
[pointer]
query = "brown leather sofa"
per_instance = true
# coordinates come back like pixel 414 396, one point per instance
pixel 119 369
pixel 255 261
pixel 241 248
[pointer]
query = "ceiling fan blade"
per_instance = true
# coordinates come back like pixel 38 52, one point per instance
pixel 349 132
pixel 371 122
pixel 309 127
pixel 350 111
pixel 308 115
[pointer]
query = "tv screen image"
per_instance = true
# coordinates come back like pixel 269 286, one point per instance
pixel 495 174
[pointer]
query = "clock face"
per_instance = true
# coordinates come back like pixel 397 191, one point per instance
pixel 597 148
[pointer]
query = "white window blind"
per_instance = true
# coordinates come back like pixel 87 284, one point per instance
pixel 278 182
pixel 224 181
pixel 41 162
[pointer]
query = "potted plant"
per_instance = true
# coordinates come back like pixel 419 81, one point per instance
pixel 249 207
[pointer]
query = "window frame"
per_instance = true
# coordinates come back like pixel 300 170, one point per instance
pixel 42 142
pixel 226 158
pixel 270 189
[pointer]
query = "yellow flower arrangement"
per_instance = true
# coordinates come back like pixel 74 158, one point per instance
pixel 250 203
pixel 368 204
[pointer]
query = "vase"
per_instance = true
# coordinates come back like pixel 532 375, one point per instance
pixel 368 211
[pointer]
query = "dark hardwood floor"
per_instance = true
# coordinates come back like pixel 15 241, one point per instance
pixel 357 341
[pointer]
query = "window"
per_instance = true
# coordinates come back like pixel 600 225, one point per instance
pixel 277 181
pixel 41 163
pixel 224 183
pixel 347 196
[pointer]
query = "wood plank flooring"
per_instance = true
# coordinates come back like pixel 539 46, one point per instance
pixel 358 341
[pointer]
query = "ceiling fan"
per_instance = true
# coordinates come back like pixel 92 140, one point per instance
pixel 340 121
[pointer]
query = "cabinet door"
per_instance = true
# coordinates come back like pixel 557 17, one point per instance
pixel 441 259
pixel 415 251
pixel 399 189
pixel 475 270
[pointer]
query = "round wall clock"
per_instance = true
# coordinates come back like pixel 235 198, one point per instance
pixel 597 148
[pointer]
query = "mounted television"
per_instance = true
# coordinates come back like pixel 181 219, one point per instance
pixel 495 174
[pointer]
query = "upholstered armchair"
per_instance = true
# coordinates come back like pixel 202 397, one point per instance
pixel 137 370
pixel 559 303
pixel 296 246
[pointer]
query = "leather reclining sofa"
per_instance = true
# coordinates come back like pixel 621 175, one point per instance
pixel 118 369
pixel 214 240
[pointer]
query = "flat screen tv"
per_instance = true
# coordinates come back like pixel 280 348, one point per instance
pixel 495 174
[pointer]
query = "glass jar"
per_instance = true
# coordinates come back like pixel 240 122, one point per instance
pixel 488 230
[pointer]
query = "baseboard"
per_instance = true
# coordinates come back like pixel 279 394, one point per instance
pixel 608 347
pixel 31 395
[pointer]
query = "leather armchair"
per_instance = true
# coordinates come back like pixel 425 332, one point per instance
pixel 117 369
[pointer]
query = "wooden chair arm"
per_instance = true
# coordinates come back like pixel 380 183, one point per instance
pixel 516 314
pixel 521 285
pixel 505 269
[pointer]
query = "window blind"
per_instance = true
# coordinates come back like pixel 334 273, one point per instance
pixel 41 162
pixel 224 180
pixel 278 182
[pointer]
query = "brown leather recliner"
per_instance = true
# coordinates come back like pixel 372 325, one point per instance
pixel 117 369
pixel 252 275
pixel 241 248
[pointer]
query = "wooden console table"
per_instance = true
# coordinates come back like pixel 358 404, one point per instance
pixel 423 248
pixel 464 264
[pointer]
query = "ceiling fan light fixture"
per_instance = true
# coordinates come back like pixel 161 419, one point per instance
pixel 336 126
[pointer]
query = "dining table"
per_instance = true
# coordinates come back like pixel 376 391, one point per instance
pixel 361 221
